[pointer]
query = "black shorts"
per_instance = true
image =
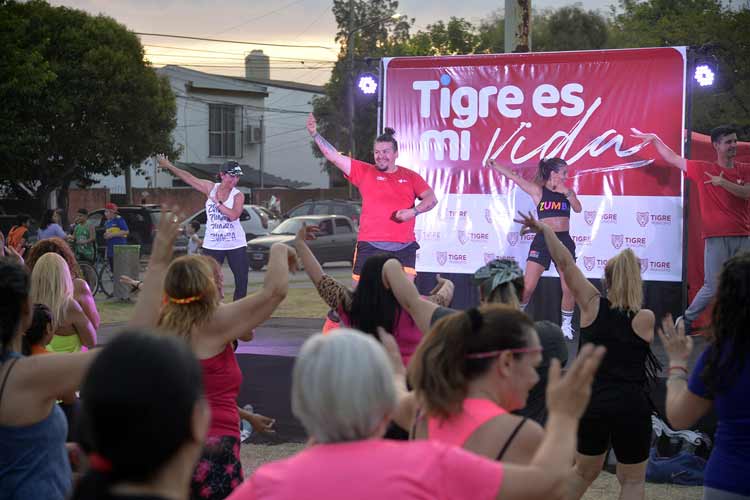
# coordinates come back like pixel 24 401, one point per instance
pixel 629 435
pixel 407 256
pixel 539 253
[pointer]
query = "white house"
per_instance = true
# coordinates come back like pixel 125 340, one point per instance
pixel 256 121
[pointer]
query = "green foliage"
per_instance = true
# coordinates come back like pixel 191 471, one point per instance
pixel 81 101
pixel 569 28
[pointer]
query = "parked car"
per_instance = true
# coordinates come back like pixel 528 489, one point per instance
pixel 272 219
pixel 254 222
pixel 142 221
pixel 351 209
pixel 335 242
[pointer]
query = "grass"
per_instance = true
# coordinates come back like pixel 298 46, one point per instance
pixel 299 303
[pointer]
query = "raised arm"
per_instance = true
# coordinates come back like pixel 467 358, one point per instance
pixel 343 163
pixel 406 293
pixel 146 312
pixel 202 185
pixel 583 291
pixel 309 262
pixel 683 407
pixel 232 321
pixel 531 188
pixel 664 151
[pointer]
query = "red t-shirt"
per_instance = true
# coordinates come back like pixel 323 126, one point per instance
pixel 382 195
pixel 222 379
pixel 722 213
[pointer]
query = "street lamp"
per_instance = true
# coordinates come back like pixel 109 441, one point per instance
pixel 350 55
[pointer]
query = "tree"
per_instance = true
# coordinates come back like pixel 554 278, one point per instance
pixel 376 34
pixel 80 100
pixel 569 28
pixel 660 23
pixel 459 36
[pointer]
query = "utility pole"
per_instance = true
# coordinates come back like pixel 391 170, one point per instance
pixel 517 25
pixel 350 86
pixel 262 147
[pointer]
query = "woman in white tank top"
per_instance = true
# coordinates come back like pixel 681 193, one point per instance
pixel 224 203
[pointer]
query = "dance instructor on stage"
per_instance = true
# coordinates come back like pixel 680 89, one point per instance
pixel 388 193
pixel 224 234
pixel 723 189
pixel 553 201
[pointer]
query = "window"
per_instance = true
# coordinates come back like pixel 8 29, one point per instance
pixel 321 209
pixel 224 130
pixel 325 228
pixel 301 210
pixel 343 226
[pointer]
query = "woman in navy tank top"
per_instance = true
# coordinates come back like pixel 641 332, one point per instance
pixel 553 201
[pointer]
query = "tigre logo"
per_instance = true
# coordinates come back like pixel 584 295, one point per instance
pixel 488 215
pixel 462 237
pixel 644 265
pixel 489 257
pixel 617 241
pixel 589 263
pixel 512 238
pixel 442 257
pixel 642 218
pixel 589 217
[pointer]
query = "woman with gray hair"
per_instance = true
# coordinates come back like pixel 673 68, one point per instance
pixel 344 392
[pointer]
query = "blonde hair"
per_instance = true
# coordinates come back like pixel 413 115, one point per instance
pixel 52 285
pixel 191 296
pixel 622 275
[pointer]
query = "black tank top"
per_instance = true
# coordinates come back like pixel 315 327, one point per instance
pixel 629 357
pixel 552 204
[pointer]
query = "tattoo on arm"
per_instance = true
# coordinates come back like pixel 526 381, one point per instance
pixel 325 147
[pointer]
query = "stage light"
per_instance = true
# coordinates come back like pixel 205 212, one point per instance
pixel 368 84
pixel 704 75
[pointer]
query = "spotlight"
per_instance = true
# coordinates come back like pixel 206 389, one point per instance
pixel 368 84
pixel 704 75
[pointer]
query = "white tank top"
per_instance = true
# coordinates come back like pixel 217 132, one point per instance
pixel 221 233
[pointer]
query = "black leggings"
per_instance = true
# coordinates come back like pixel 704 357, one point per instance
pixel 238 263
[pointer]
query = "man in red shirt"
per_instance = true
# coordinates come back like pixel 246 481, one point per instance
pixel 724 190
pixel 388 193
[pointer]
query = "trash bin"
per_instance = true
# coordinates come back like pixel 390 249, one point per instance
pixel 127 262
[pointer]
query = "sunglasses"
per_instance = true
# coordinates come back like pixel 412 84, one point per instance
pixel 492 354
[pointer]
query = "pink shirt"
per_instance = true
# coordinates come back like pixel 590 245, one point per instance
pixel 406 332
pixel 457 429
pixel 376 469
pixel 382 195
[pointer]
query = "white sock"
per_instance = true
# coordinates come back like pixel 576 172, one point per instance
pixel 567 324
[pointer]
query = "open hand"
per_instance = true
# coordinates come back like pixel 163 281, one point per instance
pixel 529 223
pixel 569 395
pixel 166 234
pixel 714 180
pixel 163 162
pixel 676 343
pixel 312 124
pixel 647 138
pixel 261 423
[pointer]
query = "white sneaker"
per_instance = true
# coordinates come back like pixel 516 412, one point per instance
pixel 568 331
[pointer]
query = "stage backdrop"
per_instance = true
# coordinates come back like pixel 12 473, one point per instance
pixel 453 113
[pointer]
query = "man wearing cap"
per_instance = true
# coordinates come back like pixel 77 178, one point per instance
pixel 224 236
pixel 115 232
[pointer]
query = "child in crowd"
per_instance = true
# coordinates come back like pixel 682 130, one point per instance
pixel 39 333
pixel 194 241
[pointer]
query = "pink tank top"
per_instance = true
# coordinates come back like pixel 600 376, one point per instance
pixel 222 379
pixel 407 333
pixel 457 429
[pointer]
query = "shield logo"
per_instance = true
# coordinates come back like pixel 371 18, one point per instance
pixel 512 238
pixel 442 257
pixel 589 263
pixel 488 215
pixel 644 265
pixel 489 257
pixel 642 218
pixel 589 216
pixel 617 241
pixel 462 237
pixel 418 234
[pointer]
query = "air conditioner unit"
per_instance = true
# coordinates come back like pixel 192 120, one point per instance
pixel 253 134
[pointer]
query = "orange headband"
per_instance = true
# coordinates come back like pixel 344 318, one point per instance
pixel 186 300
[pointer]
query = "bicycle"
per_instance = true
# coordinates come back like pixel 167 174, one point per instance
pixel 97 274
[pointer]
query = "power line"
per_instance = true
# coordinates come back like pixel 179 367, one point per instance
pixel 261 16
pixel 238 66
pixel 267 44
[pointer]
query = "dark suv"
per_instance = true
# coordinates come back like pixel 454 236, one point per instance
pixel 142 221
pixel 351 209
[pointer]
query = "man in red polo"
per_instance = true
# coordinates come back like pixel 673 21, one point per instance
pixel 724 190
pixel 388 200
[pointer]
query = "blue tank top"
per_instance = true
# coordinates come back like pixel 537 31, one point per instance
pixel 552 204
pixel 33 460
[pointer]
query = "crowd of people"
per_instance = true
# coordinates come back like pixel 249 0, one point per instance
pixel 409 398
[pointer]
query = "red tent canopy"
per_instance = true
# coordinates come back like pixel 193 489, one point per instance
pixel 701 149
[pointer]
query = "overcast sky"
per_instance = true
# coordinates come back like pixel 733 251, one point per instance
pixel 303 22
